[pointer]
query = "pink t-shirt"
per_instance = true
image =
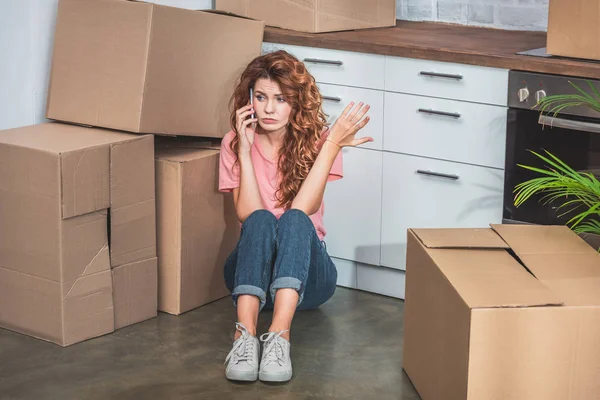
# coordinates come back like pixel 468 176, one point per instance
pixel 267 177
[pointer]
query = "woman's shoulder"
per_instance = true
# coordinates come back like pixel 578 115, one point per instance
pixel 227 139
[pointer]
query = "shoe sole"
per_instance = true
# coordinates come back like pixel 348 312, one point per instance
pixel 265 377
pixel 241 376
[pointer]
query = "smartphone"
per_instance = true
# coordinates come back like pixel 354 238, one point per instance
pixel 252 101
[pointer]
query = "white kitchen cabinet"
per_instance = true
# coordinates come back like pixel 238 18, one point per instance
pixel 447 80
pixel 353 208
pixel 346 271
pixel 338 67
pixel 386 281
pixel 437 160
pixel 370 278
pixel 446 129
pixel 336 98
pixel 421 192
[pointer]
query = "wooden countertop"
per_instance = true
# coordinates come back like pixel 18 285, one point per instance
pixel 444 42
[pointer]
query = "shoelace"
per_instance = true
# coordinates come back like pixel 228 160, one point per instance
pixel 274 349
pixel 243 350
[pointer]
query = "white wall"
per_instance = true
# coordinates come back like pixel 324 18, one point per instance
pixel 26 37
pixel 504 14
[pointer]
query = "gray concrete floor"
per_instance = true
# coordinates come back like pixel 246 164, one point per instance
pixel 350 348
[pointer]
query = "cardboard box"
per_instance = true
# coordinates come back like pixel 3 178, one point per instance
pixel 141 67
pixel 74 201
pixel 574 28
pixel 481 325
pixel 197 228
pixel 316 16
pixel 135 292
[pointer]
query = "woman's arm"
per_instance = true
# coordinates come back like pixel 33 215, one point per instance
pixel 342 134
pixel 311 192
pixel 247 197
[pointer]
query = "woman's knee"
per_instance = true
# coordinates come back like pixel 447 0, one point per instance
pixel 295 216
pixel 260 219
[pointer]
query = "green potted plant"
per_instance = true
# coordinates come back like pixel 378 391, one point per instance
pixel 576 193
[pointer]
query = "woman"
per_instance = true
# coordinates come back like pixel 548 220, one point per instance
pixel 277 161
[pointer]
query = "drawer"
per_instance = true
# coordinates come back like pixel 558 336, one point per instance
pixel 352 215
pixel 463 196
pixel 445 129
pixel 338 67
pixel 336 98
pixel 346 272
pixel 447 80
pixel 386 281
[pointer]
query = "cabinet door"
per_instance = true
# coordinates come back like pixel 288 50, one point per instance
pixel 336 98
pixel 380 280
pixel 457 81
pixel 353 208
pixel 420 192
pixel 446 129
pixel 337 67
pixel 346 271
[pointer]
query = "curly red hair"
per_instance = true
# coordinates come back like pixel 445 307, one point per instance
pixel 307 119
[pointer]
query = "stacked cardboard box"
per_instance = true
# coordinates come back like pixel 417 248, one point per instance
pixel 141 67
pixel 78 254
pixel 316 16
pixel 573 28
pixel 197 227
pixel 69 272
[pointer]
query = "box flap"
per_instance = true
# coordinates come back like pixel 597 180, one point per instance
pixel 559 258
pixel 135 291
pixel 491 278
pixel 85 181
pixel 542 239
pixel 476 238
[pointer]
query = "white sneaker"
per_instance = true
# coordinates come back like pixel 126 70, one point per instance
pixel 276 363
pixel 243 357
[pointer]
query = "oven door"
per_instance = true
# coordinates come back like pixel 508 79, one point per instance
pixel 576 141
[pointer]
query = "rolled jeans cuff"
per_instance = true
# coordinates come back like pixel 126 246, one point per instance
pixel 250 290
pixel 287 282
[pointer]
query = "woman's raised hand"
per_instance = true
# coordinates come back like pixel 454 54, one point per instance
pixel 343 132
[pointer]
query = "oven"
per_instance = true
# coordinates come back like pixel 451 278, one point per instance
pixel 573 136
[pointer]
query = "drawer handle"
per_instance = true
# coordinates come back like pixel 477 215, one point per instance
pixel 334 99
pixel 438 174
pixel 441 75
pixel 442 113
pixel 320 61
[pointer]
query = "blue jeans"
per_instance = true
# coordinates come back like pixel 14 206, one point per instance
pixel 275 254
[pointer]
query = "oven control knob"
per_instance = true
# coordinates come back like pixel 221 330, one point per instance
pixel 539 95
pixel 523 94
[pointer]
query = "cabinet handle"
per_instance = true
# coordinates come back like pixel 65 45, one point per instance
pixel 438 174
pixel 441 75
pixel 320 61
pixel 442 113
pixel 334 99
